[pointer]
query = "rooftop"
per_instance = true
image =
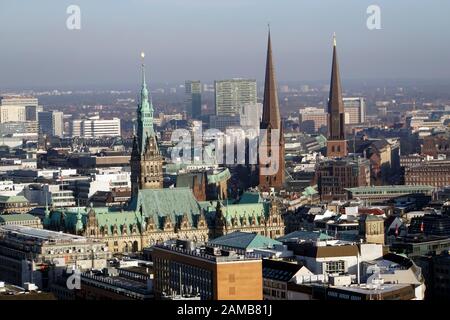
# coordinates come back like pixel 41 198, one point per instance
pixel 201 253
pixel 302 235
pixel 40 234
pixel 17 217
pixel 13 199
pixel 244 241
pixel 390 189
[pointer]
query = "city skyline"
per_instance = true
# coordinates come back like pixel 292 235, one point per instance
pixel 102 52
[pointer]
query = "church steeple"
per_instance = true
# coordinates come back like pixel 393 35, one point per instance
pixel 271 112
pixel 271 120
pixel 336 145
pixel 335 103
pixel 47 220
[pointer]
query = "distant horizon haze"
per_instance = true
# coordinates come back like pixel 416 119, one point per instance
pixel 212 40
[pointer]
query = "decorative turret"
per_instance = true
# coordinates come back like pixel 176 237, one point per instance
pixel 47 220
pixel 201 223
pixel 143 222
pixel 79 224
pixel 92 227
pixel 150 224
pixel 168 224
pixel 184 223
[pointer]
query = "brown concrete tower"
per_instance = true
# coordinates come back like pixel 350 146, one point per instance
pixel 271 121
pixel 336 145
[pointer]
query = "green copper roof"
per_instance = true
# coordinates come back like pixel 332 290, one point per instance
pixel 244 241
pixel 322 140
pixel 218 177
pixel 17 217
pixel 159 204
pixel 309 191
pixel 155 203
pixel 165 202
pixel 13 199
pixel 106 218
pixel 250 197
pixel 390 189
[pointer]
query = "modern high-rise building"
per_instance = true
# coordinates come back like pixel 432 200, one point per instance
pixel 271 122
pixel 51 123
pixel 18 109
pixel 355 110
pixel 95 127
pixel 193 92
pixel 232 95
pixel 336 144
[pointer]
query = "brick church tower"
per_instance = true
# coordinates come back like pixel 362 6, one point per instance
pixel 336 144
pixel 271 120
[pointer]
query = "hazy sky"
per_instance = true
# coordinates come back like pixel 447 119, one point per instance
pixel 217 39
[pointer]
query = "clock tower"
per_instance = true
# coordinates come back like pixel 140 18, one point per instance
pixel 146 160
pixel 371 228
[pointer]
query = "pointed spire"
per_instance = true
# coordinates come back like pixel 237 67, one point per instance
pixel 271 112
pixel 46 203
pixel 144 113
pixel 144 84
pixel 47 213
pixel 144 91
pixel 335 103
pixel 79 224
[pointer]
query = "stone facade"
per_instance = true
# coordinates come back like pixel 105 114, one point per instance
pixel 158 215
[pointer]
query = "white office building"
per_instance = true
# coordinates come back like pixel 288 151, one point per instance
pixel 355 110
pixel 50 194
pixel 103 180
pixel 18 109
pixel 95 127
